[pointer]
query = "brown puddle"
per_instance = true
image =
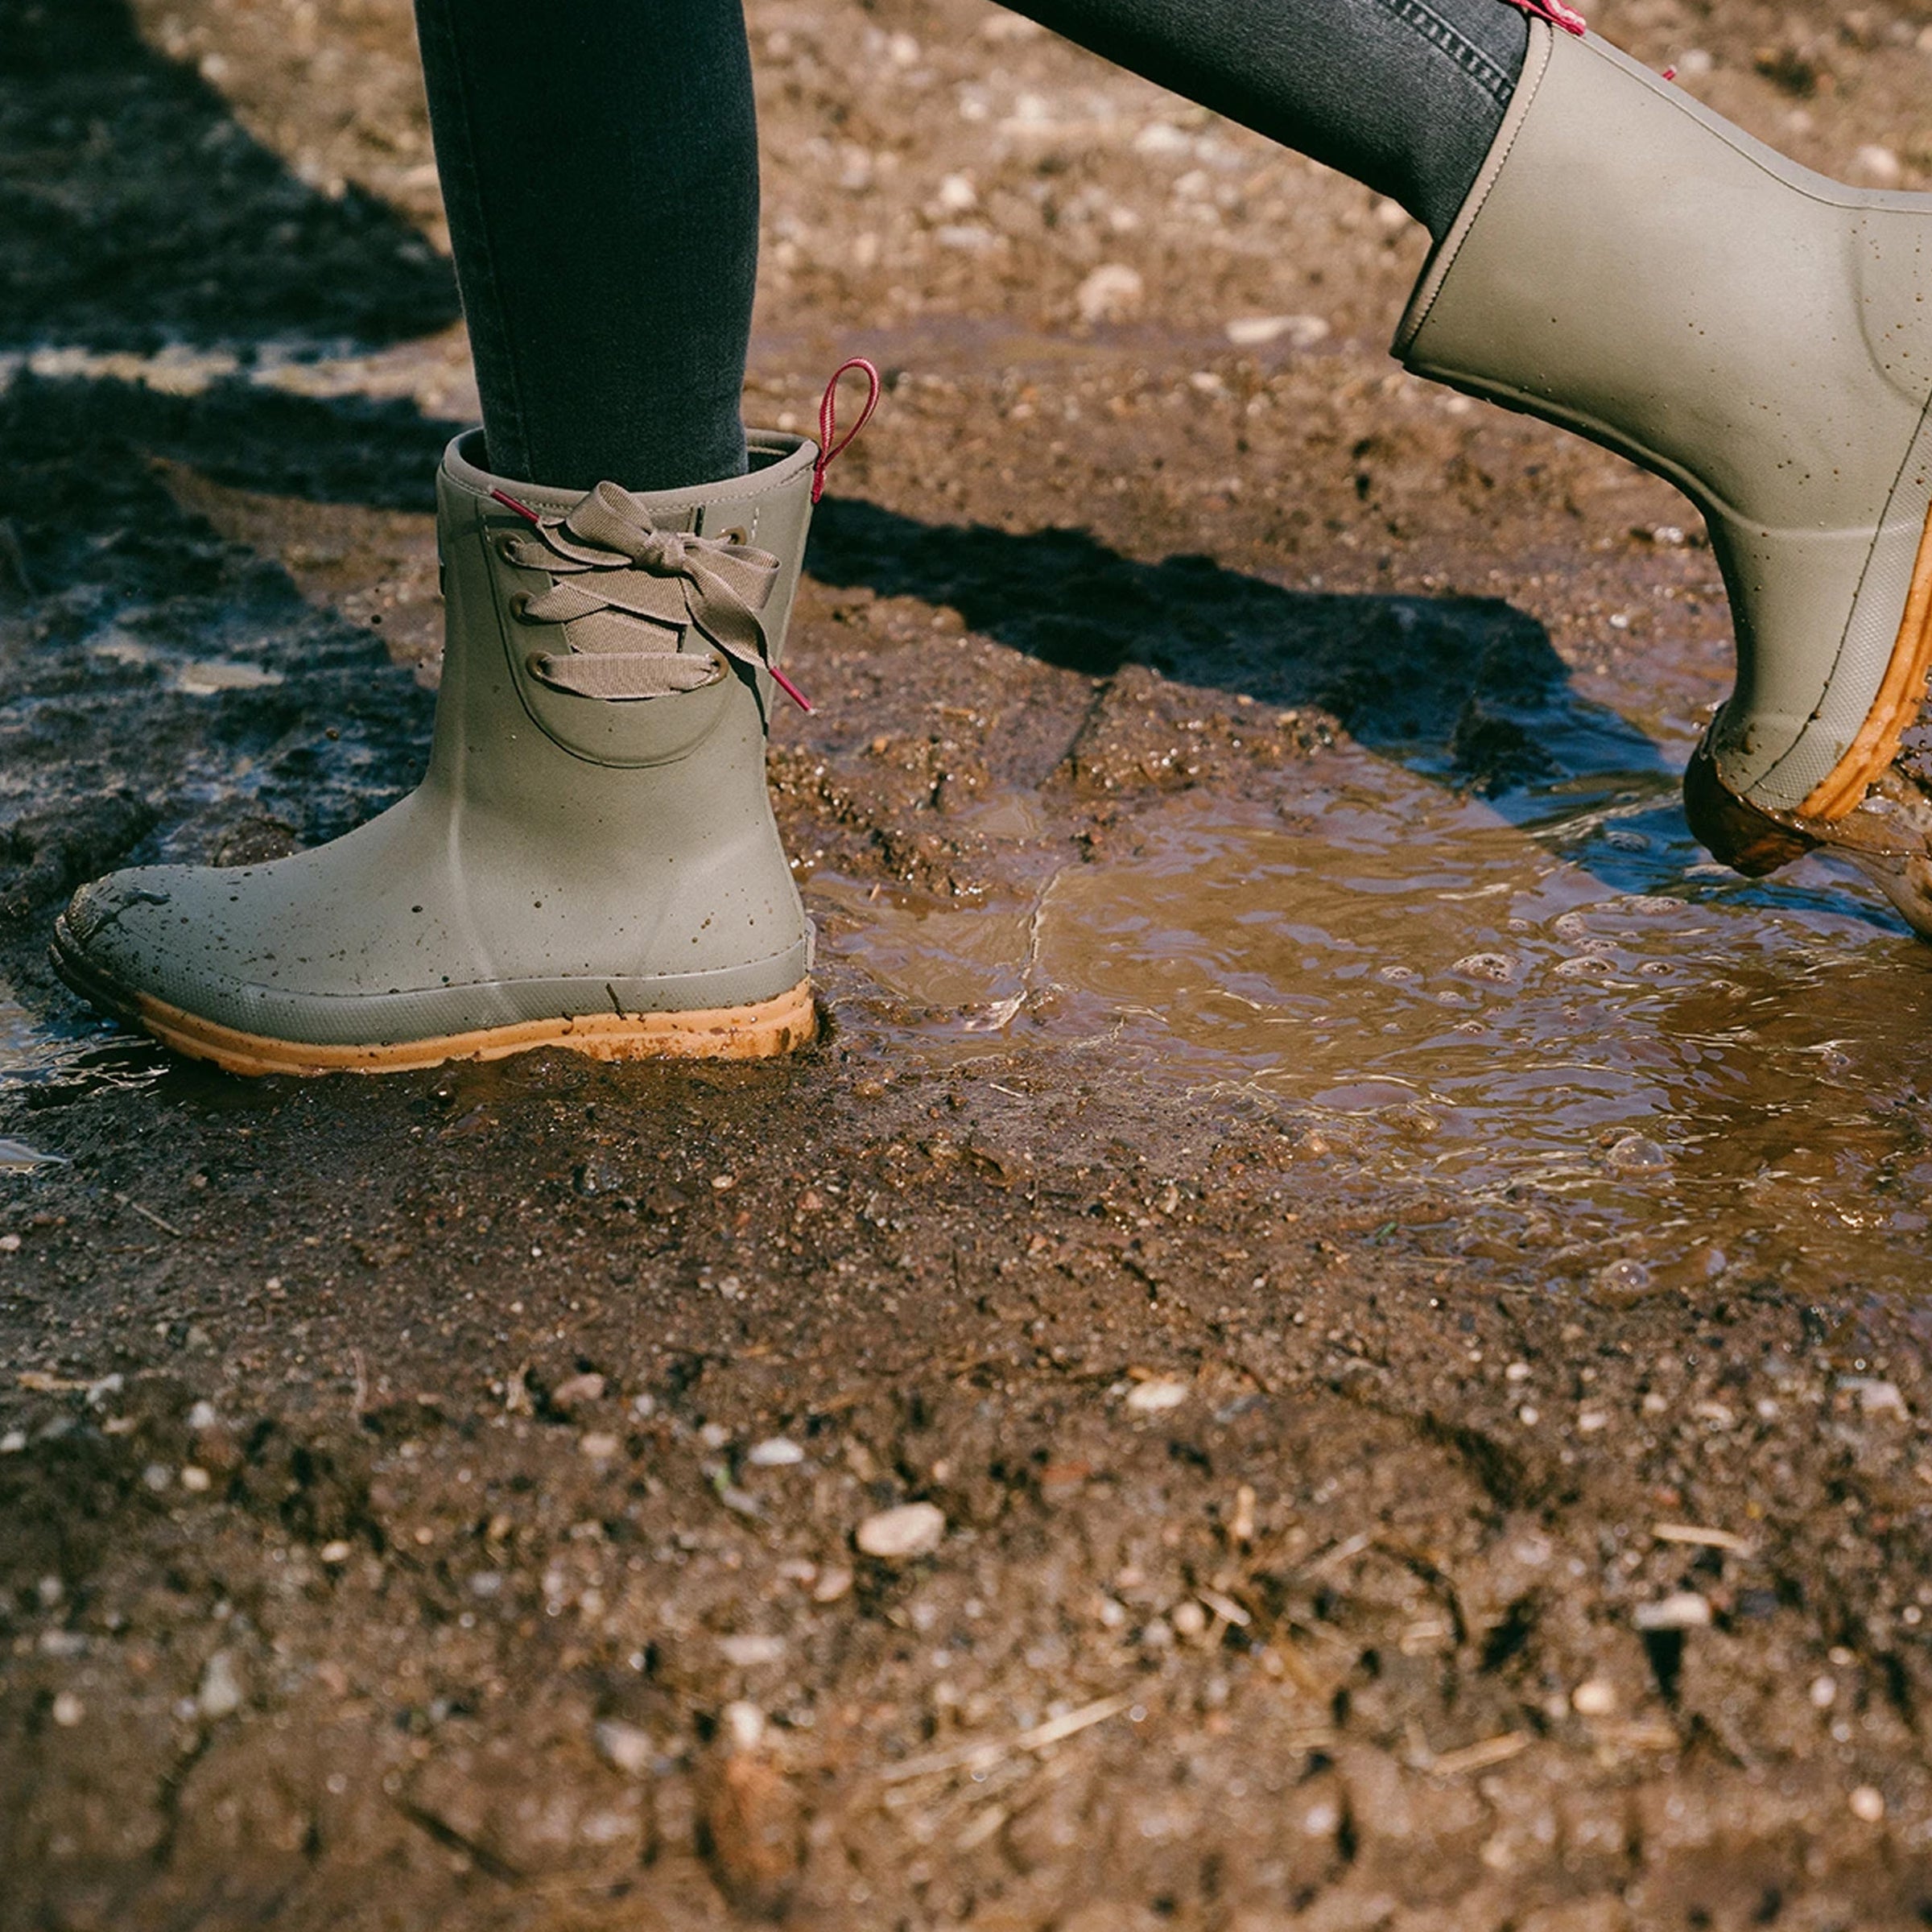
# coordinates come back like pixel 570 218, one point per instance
pixel 1580 1046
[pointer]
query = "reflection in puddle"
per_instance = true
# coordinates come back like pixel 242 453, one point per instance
pixel 53 1066
pixel 1581 1040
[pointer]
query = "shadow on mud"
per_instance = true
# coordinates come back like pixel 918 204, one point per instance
pixel 165 693
pixel 134 212
pixel 1465 690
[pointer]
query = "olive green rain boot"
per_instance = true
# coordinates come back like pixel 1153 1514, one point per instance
pixel 1632 267
pixel 591 862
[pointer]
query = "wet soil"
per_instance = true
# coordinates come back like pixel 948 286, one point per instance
pixel 1403 1286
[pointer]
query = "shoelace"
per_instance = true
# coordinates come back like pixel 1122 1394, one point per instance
pixel 606 556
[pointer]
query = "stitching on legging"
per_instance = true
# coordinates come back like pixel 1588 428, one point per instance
pixel 1469 57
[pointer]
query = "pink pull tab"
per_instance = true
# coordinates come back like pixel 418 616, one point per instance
pixel 830 444
pixel 1567 18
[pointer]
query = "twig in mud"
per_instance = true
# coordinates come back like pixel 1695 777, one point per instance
pixel 988 1751
pixel 1479 1758
pixel 982 1828
pixel 148 1214
pixel 1338 1554
pixel 1225 1608
pixel 1700 1537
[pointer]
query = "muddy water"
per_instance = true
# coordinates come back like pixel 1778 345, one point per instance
pixel 1547 1026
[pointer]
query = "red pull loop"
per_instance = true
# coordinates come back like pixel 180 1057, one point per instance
pixel 1558 14
pixel 830 444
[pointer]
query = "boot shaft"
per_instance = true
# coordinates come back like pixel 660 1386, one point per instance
pixel 510 738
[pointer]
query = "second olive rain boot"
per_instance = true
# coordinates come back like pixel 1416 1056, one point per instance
pixel 1630 265
pixel 591 861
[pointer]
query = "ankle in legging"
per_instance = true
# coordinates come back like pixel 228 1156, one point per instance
pixel 598 160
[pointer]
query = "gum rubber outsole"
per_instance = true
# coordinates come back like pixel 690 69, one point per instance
pixel 1900 696
pixel 763 1030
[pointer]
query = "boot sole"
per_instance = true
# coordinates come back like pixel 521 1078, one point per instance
pixel 1900 696
pixel 761 1031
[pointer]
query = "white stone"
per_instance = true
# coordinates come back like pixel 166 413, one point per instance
pixel 624 1747
pixel 897 1535
pixel 1879 165
pixel 1156 1397
pixel 1593 1697
pixel 1111 293
pixel 748 1652
pixel 221 1692
pixel 1681 1610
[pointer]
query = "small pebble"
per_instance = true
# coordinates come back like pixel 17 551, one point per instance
pixel 1112 292
pixel 196 1480
pixel 599 1445
pixel 1681 1610
pixel 202 1416
pixel 68 1711
pixel 1875 1397
pixel 1824 1693
pixel 1593 1697
pixel 624 1747
pixel 220 1696
pixel 12 1442
pixel 775 1452
pixel 744 1725
pixel 10 1243
pixel 337 1552
pixel 1189 1618
pixel 1154 1398
pixel 1879 165
pixel 747 1653
pixel 1867 1804
pixel 897 1535
pixel 832 1585
pixel 579 1388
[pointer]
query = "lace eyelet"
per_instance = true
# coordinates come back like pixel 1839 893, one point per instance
pixel 537 664
pixel 737 533
pixel 519 606
pixel 505 547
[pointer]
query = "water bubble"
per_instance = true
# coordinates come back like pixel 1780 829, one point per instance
pixel 1623 1279
pixel 1497 966
pixel 1637 1153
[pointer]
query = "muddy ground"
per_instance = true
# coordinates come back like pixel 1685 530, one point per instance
pixel 436 1501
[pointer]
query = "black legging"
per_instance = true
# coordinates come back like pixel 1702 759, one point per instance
pixel 599 161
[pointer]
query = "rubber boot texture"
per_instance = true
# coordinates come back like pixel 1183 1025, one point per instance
pixel 1632 266
pixel 603 874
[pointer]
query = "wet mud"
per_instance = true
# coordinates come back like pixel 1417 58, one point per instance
pixel 1333 1333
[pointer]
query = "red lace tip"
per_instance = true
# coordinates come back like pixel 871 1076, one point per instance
pixel 790 689
pixel 1670 73
pixel 522 509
